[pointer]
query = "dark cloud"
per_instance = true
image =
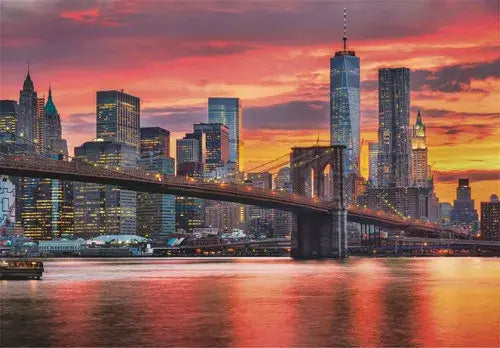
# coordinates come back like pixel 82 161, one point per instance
pixel 473 175
pixel 79 123
pixel 76 32
pixel 175 119
pixel 291 115
pixel 455 78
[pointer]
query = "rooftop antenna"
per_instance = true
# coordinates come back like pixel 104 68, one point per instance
pixel 345 30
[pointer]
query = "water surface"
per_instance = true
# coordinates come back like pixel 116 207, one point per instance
pixel 255 302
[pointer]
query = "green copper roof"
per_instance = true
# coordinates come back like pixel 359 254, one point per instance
pixel 50 108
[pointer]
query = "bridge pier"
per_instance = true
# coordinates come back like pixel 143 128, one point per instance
pixel 316 235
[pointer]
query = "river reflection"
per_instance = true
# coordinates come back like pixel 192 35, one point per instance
pixel 255 302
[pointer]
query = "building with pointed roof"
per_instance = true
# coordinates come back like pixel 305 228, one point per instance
pixel 26 122
pixel 420 166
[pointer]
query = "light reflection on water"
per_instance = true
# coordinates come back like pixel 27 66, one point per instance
pixel 255 302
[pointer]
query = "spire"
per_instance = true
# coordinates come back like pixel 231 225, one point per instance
pixel 50 108
pixel 345 30
pixel 419 119
pixel 28 83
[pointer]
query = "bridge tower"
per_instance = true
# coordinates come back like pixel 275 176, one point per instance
pixel 316 235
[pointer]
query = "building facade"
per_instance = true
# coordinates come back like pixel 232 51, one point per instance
pixel 227 111
pixel 394 140
pixel 105 209
pixel 155 142
pixel 372 163
pixel 216 146
pixel 118 117
pixel 259 220
pixel 283 220
pixel 26 121
pixel 155 212
pixel 344 104
pixel 490 217
pixel 420 165
pixel 463 214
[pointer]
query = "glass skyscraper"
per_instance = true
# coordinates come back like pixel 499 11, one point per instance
pixel 118 117
pixel 155 211
pixel 227 111
pixel 394 134
pixel 344 105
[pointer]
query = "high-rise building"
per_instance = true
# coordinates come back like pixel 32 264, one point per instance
pixel 51 131
pixel 372 162
pixel 216 136
pixel 155 212
pixel 283 220
pixel 394 141
pixel 9 112
pixel 463 213
pixel 190 154
pixel 105 209
pixel 227 111
pixel 490 217
pixel 118 117
pixel 26 121
pixel 344 104
pixel 155 142
pixel 420 165
pixel 39 119
pixel 445 209
pixel 259 220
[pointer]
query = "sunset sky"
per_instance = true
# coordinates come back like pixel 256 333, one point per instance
pixel 274 55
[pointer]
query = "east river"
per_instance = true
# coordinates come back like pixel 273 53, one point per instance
pixel 264 302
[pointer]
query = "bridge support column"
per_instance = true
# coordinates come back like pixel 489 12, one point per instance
pixel 318 235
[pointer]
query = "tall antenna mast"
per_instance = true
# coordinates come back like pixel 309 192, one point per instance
pixel 345 30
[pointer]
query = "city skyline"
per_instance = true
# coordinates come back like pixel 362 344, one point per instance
pixel 442 80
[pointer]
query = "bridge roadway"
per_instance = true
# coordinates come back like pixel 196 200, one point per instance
pixel 144 181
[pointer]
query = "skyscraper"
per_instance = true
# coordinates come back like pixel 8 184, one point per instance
pixel 394 141
pixel 105 209
pixel 51 131
pixel 463 213
pixel 189 156
pixel 490 217
pixel 282 220
pixel 344 103
pixel 155 212
pixel 9 112
pixel 26 122
pixel 420 166
pixel 118 117
pixel 216 145
pixel 227 111
pixel 155 142
pixel 372 162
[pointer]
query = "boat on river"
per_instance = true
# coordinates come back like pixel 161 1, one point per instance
pixel 20 269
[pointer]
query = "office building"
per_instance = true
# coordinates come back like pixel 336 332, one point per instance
pixel 155 212
pixel 283 220
pixel 394 140
pixel 8 204
pixel 372 162
pixel 420 165
pixel 490 215
pixel 445 209
pixel 39 120
pixel 105 209
pixel 9 112
pixel 51 131
pixel 463 214
pixel 344 104
pixel 26 121
pixel 227 111
pixel 259 220
pixel 118 117
pixel 216 146
pixel 190 153
pixel 155 142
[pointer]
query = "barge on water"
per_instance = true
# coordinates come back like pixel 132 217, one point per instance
pixel 20 269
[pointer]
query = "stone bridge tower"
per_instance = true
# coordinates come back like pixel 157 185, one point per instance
pixel 316 235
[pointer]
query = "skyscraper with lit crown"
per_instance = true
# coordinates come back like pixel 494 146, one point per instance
pixel 420 166
pixel 26 122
